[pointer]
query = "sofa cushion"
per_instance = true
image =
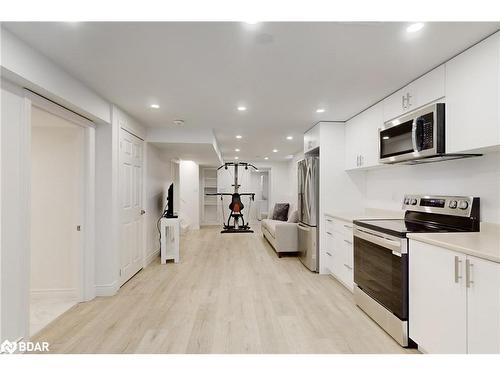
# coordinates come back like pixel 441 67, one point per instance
pixel 280 211
pixel 270 225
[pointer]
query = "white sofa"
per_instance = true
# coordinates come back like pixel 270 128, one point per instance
pixel 282 235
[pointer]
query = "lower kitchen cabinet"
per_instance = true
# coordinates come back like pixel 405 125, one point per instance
pixel 339 251
pixel 454 301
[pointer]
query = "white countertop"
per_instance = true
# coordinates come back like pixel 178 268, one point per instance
pixel 484 244
pixel 367 213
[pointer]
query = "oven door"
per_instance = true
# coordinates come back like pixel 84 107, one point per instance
pixel 381 269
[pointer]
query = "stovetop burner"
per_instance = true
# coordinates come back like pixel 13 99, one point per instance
pixel 400 227
pixel 430 214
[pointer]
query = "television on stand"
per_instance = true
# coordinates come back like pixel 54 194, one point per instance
pixel 169 209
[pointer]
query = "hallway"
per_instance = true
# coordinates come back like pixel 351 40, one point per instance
pixel 227 295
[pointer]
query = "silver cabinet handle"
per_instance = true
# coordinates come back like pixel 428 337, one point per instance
pixel 468 277
pixel 330 233
pixel 327 253
pixel 348 266
pixel 408 101
pixel 349 242
pixel 347 226
pixel 329 220
pixel 457 269
pixel 361 160
pixel 403 102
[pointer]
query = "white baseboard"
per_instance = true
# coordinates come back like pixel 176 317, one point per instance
pixel 151 257
pixel 106 290
pixel 63 293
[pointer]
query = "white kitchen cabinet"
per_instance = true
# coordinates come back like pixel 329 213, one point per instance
pixel 437 303
pixel 473 97
pixel 312 138
pixel 424 90
pixel 454 301
pixel 361 138
pixel 483 306
pixel 339 247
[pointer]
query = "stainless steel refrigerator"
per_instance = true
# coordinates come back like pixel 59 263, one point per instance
pixel 308 209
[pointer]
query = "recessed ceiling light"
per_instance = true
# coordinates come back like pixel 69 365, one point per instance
pixel 237 149
pixel 239 137
pixel 266 158
pixel 274 150
pixel 320 110
pixel 154 106
pixel 414 27
pixel 289 137
pixel 236 158
pixel 242 108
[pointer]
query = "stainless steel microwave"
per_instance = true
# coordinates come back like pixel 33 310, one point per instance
pixel 417 137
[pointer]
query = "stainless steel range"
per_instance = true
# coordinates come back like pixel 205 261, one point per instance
pixel 381 254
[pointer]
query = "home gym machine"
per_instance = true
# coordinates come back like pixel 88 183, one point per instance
pixel 236 206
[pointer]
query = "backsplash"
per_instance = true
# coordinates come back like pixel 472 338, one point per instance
pixel 479 177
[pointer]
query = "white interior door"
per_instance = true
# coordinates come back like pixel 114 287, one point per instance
pixel 131 205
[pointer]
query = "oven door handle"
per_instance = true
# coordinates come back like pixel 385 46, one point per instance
pixel 394 246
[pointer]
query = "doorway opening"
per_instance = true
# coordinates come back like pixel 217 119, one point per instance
pixel 57 197
pixel 260 185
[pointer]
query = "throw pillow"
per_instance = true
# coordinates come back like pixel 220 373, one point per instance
pixel 281 211
pixel 293 217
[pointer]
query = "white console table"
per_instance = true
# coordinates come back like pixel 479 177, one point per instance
pixel 170 236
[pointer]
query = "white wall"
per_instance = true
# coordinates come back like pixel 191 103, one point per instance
pixel 189 194
pixel 29 68
pixel 158 178
pixel 56 192
pixel 279 184
pixel 15 207
pixel 479 177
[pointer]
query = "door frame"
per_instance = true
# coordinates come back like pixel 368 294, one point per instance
pixel 86 284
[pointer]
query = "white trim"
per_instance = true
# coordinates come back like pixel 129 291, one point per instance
pixel 86 288
pixel 68 293
pixel 106 290
pixel 151 257
pixel 57 110
pixel 25 209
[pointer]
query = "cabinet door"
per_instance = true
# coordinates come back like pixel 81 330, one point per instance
pixel 311 139
pixel 348 263
pixel 352 144
pixel 393 105
pixel 437 299
pixel 338 259
pixel 428 88
pixel 472 97
pixel 370 122
pixel 483 306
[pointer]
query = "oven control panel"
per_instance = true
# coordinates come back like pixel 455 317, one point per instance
pixel 439 204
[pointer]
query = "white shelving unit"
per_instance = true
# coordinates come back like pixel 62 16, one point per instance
pixel 210 204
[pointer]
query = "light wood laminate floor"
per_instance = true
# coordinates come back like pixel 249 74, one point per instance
pixel 229 294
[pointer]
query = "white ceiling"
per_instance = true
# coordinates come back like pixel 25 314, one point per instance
pixel 282 72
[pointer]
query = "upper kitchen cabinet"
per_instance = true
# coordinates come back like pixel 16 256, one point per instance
pixel 312 138
pixel 361 138
pixel 473 97
pixel 426 89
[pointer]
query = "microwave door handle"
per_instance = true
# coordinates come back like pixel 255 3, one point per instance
pixel 414 135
